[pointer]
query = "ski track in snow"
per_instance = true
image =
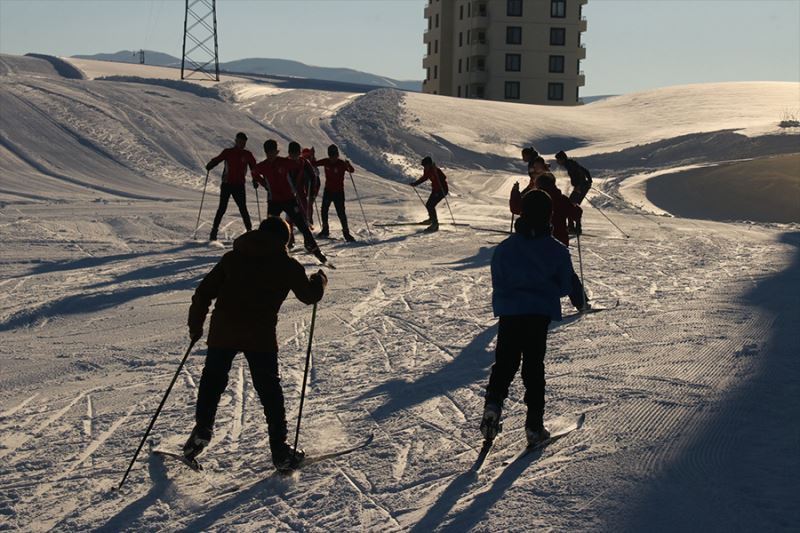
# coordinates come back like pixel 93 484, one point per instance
pixel 96 287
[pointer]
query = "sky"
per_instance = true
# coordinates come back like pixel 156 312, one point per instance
pixel 631 45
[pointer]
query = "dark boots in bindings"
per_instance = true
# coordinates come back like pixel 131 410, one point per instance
pixel 196 443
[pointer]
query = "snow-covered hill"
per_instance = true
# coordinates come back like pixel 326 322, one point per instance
pixel 689 387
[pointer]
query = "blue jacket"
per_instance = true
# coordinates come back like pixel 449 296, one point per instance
pixel 530 275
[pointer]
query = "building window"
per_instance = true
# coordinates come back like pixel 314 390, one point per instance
pixel 482 37
pixel 437 20
pixel 513 62
pixel 556 63
pixel 459 91
pixel 467 64
pixel 427 74
pixel 460 17
pixel 481 66
pixel 481 13
pixel 436 72
pixel 512 90
pixel 429 48
pixel 459 66
pixel 436 46
pixel 460 39
pixel 514 8
pixel 558 36
pixel 558 8
pixel 555 91
pixel 468 35
pixel 479 91
pixel 513 35
pixel 469 9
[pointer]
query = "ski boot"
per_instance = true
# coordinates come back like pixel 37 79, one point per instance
pixel 434 227
pixel 348 237
pixel 287 460
pixel 536 436
pixel 324 234
pixel 316 252
pixel 425 222
pixel 490 423
pixel 213 235
pixel 196 443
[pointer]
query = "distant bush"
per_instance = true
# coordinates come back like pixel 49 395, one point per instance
pixel 185 86
pixel 789 120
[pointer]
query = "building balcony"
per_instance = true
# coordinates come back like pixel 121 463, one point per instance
pixel 427 61
pixel 479 48
pixel 581 79
pixel 582 51
pixel 427 37
pixel 583 2
pixel 428 11
pixel 582 24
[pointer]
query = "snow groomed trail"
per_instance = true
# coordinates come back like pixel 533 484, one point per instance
pixel 688 386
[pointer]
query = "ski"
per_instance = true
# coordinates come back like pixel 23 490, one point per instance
pixel 191 463
pixel 482 455
pixel 557 434
pixel 388 224
pixel 593 309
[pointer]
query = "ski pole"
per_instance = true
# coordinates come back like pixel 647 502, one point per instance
pixel 158 411
pixel 361 205
pixel 202 198
pixel 451 211
pixel 258 205
pixel 580 264
pixel 512 224
pixel 606 216
pixel 305 379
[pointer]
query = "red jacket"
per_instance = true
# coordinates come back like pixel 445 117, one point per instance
pixel 334 173
pixel 274 176
pixel 437 177
pixel 236 163
pixel 302 172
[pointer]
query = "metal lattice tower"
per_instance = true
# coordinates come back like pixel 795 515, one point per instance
pixel 199 30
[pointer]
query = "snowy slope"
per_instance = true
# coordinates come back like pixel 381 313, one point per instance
pixel 689 386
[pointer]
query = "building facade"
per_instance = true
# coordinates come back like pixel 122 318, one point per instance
pixel 526 51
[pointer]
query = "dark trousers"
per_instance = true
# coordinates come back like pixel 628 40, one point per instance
pixel 275 209
pixel 227 190
pixel 521 337
pixel 266 381
pixel 430 205
pixel 578 194
pixel 337 198
pixel 577 295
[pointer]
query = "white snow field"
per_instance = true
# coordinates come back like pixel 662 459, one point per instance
pixel 689 387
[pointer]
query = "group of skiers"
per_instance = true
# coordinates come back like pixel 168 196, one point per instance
pixel 531 270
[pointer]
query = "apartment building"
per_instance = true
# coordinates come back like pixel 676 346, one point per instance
pixel 527 51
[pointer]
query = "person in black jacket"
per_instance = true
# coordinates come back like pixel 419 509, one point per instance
pixel 581 181
pixel 249 285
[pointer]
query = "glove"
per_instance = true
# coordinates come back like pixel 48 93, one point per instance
pixel 412 184
pixel 515 187
pixel 255 184
pixel 320 274
pixel 209 167
pixel 195 334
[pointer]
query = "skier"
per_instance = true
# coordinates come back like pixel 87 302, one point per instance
pixel 236 159
pixel 274 174
pixel 439 190
pixel 530 272
pixel 581 181
pixel 249 284
pixel 334 191
pixel 528 155
pixel 311 184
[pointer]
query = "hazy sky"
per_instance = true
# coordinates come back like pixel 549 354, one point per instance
pixel 631 44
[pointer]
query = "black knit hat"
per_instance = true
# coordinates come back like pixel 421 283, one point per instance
pixel 561 156
pixel 276 228
pixel 427 161
pixel 270 145
pixel 333 150
pixel 241 135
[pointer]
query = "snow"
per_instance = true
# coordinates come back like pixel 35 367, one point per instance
pixel 689 387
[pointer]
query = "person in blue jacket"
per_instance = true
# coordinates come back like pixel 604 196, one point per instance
pixel 531 271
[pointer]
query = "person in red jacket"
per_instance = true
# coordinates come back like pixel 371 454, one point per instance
pixel 311 183
pixel 439 190
pixel 334 190
pixel 236 159
pixel 274 174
